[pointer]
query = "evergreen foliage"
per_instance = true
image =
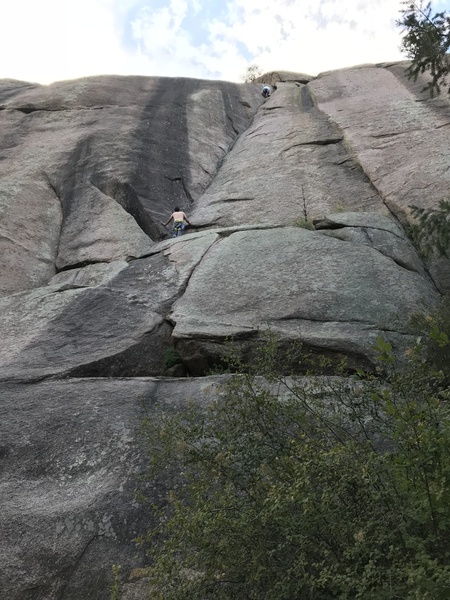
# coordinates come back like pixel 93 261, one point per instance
pixel 316 488
pixel 426 42
pixel 431 231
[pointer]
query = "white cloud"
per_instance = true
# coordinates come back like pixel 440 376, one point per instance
pixel 311 36
pixel 60 39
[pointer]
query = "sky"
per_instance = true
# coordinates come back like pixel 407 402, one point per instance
pixel 43 41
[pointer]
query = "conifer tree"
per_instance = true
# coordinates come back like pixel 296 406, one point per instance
pixel 426 43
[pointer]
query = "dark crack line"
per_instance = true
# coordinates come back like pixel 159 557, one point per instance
pixel 331 227
pixel 28 110
pixel 236 199
pixel 183 185
pixel 253 135
pixel 31 109
pixel 327 142
pixel 86 263
pixel 206 171
pixel 233 126
pixel 395 134
pixel 30 380
pixel 58 197
pixel 338 163
pixel 372 247
pixel 366 324
pixel 254 130
pixel 77 564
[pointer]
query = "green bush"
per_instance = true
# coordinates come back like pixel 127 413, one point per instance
pixel 431 231
pixel 303 223
pixel 171 358
pixel 307 488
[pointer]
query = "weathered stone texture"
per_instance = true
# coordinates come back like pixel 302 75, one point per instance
pixel 399 135
pixel 91 167
pixel 70 464
pixel 111 325
pixel 329 293
pixel 291 160
pixel 91 289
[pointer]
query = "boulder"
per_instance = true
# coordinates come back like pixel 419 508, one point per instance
pixel 330 294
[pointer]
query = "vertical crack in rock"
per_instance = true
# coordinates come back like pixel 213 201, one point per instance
pixel 189 198
pixel 75 567
pixel 348 146
pixel 58 197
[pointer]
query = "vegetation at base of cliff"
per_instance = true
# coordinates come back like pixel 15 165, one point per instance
pixel 431 231
pixel 426 42
pixel 115 589
pixel 288 488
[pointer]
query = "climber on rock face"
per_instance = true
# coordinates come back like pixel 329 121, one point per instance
pixel 265 92
pixel 179 222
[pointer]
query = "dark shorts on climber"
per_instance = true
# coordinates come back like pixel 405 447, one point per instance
pixel 178 228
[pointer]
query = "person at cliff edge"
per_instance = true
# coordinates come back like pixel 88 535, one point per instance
pixel 179 222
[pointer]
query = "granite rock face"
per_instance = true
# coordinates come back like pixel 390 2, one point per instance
pixel 71 462
pixel 327 292
pixel 292 161
pixel 91 167
pixel 399 135
pixel 94 297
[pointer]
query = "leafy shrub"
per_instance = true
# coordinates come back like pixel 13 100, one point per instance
pixel 318 487
pixel 431 232
pixel 303 223
pixel 251 73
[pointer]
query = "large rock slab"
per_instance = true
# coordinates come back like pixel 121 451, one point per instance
pixel 332 295
pixel 91 167
pixel 397 133
pixel 71 461
pixel 376 231
pixel 108 321
pixel 290 161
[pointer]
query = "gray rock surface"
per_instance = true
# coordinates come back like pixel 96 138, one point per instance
pixel 291 159
pixel 378 232
pixel 115 327
pixel 91 167
pixel 71 462
pixel 399 134
pixel 328 293
pixel 93 297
